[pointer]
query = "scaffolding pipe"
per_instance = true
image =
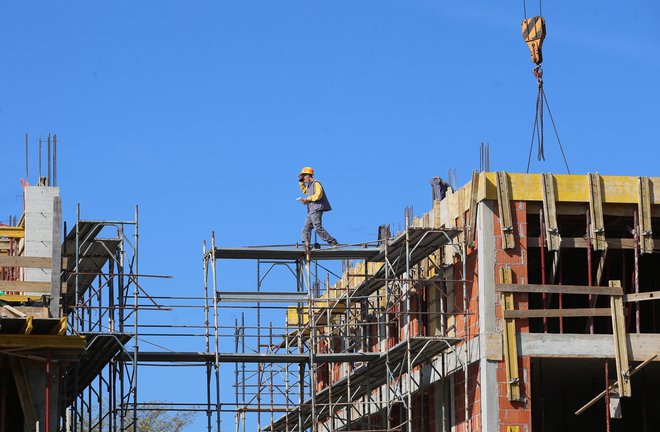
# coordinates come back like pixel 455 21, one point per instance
pixel 406 302
pixel 207 341
pixel 215 334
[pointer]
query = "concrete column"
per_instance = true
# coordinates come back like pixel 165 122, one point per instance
pixel 39 218
pixel 30 379
pixel 487 320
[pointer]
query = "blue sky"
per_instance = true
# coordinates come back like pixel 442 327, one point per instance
pixel 203 112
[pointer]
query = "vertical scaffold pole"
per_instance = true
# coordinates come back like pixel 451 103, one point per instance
pixel 207 335
pixel 301 366
pixel 136 290
pixel 258 348
pixel 312 340
pixel 388 403
pixel 466 323
pixel 215 332
pixel 407 305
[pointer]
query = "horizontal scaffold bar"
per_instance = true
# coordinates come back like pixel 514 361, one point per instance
pixel 206 357
pixel 261 296
pixel 294 254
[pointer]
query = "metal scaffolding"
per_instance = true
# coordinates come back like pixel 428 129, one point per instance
pixel 350 354
pixel 102 304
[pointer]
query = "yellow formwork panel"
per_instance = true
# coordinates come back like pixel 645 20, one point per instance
pixel 42 341
pixel 12 232
pixel 16 298
pixel 292 314
pixel 569 188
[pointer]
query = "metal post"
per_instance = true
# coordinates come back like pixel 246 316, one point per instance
pixel 27 164
pixel 607 397
pixel 258 348
pixel 466 365
pixel 406 332
pixel 589 268
pixel 55 160
pixel 388 403
pixel 312 342
pixel 48 178
pixel 48 377
pixel 136 287
pixel 207 336
pixel 236 341
pixel 218 405
pixel 636 270
pixel 39 159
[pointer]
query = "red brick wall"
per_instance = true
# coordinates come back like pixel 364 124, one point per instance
pixel 515 413
pixel 474 399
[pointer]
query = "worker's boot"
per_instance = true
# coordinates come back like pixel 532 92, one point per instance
pixel 333 243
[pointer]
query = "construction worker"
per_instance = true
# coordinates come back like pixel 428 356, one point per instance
pixel 317 202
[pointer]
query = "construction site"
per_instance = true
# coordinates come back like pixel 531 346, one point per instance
pixel 514 302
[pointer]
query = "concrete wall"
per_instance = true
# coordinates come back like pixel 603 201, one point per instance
pixel 39 228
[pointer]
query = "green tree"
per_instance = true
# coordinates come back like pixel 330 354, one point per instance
pixel 151 417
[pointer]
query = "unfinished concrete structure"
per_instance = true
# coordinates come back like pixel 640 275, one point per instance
pixel 507 307
pixel 65 303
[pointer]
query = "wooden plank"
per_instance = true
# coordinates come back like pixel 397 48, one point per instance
pixel 23 286
pixel 580 243
pixel 556 313
pixel 504 204
pixel 597 227
pixel 646 243
pixel 472 224
pixel 553 239
pixel 437 220
pixel 643 296
pixel 14 311
pixel 613 386
pixel 494 351
pixel 23 390
pixel 620 345
pixel 25 262
pixel 558 289
pixel 594 346
pixel 510 342
pixel 29 262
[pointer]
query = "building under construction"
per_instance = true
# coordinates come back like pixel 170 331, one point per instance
pixel 518 302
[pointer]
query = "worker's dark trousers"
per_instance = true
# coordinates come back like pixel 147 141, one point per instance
pixel 314 220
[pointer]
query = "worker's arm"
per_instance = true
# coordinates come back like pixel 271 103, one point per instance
pixel 318 192
pixel 303 187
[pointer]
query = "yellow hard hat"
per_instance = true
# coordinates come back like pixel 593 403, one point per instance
pixel 307 170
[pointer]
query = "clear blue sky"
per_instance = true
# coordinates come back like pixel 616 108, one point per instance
pixel 203 112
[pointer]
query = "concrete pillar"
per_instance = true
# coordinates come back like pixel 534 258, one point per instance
pixel 43 238
pixel 487 320
pixel 36 373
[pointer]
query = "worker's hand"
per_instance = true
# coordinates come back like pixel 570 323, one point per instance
pixel 300 177
pixel 304 200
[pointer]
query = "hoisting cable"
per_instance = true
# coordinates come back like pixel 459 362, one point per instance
pixel 533 31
